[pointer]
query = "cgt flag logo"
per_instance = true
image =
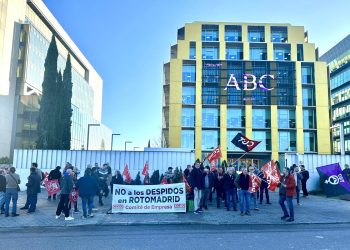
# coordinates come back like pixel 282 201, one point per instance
pixel 332 180
pixel 272 174
pixel 215 154
pixel 244 143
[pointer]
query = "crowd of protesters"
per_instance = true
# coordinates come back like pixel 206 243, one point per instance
pixel 229 185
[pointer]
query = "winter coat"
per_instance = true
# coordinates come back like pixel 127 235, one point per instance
pixel 87 186
pixel 297 178
pixel 219 182
pixel 55 175
pixel 33 185
pixel 290 189
pixel 196 178
pixel 66 184
pixel 305 175
pixel 210 179
pixel 229 181
pixel 116 179
pixel 2 183
pixel 242 181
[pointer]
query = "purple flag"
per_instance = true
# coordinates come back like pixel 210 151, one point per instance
pixel 332 180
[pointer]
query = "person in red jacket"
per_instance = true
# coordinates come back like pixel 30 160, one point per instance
pixel 286 193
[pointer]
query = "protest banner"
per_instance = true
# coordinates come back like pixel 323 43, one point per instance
pixel 149 199
pixel 332 180
pixel 52 187
pixel 254 183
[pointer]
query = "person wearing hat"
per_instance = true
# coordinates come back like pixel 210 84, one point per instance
pixel 346 172
pixel 55 175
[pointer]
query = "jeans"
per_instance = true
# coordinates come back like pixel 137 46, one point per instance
pixel 197 198
pixel 87 199
pixel 303 187
pixel 255 199
pixel 2 200
pixel 244 197
pixel 33 199
pixel 63 205
pixel 266 190
pixel 231 193
pixel 298 194
pixel 11 193
pixel 289 200
pixel 218 197
pixel 205 197
pixel 27 202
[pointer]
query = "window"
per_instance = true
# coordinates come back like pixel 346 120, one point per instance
pixel 192 50
pixel 233 33
pixel 235 118
pixel 187 117
pixel 279 34
pixel 210 139
pixel 281 52
pixel 258 52
pixel 286 118
pixel 187 139
pixel 309 119
pixel 210 118
pixel 256 34
pixel 188 73
pixel 210 51
pixel 307 73
pixel 300 52
pixel 261 118
pixel 230 135
pixel 309 142
pixel 188 95
pixel 287 141
pixel 234 51
pixel 210 33
pixel 210 95
pixel 265 138
pixel 181 34
pixel 308 97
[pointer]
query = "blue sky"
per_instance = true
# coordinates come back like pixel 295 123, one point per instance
pixel 128 41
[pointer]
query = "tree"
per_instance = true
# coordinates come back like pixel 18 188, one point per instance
pixel 58 113
pixel 46 119
pixel 5 160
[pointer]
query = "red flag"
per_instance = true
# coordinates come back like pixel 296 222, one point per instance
pixel 145 169
pixel 73 196
pixel 52 187
pixel 272 174
pixel 254 183
pixel 126 173
pixel 215 154
pixel 164 181
pixel 188 187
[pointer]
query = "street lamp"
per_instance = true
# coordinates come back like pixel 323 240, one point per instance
pixel 112 140
pixel 126 143
pixel 135 148
pixel 88 133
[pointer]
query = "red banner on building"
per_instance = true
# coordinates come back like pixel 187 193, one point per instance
pixel 214 155
pixel 52 187
pixel 272 174
pixel 145 169
pixel 254 183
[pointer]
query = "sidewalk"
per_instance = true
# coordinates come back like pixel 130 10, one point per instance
pixel 313 210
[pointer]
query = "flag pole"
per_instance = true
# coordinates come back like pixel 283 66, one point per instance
pixel 239 158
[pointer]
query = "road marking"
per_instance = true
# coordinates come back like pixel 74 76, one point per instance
pixel 319 237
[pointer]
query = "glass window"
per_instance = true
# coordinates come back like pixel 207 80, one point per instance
pixel 210 139
pixel 307 73
pixel 234 51
pixel 187 117
pixel 233 33
pixel 192 50
pixel 279 34
pixel 287 141
pixel 230 135
pixel 256 34
pixel 210 95
pixel 258 52
pixel 308 97
pixel 188 95
pixel 300 52
pixel 309 118
pixel 210 51
pixel 265 138
pixel 281 52
pixel 210 33
pixel 187 139
pixel 309 142
pixel 261 118
pixel 286 118
pixel 235 118
pixel 210 117
pixel 188 73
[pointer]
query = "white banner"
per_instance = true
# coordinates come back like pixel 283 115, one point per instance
pixel 167 198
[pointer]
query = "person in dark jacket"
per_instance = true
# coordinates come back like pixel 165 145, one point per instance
pixel 219 186
pixel 55 175
pixel 66 185
pixel 208 180
pixel 230 188
pixel 87 187
pixel 117 179
pixel 196 178
pixel 2 191
pixel 33 188
pixel 304 177
pixel 286 193
pixel 242 182
pixel 264 189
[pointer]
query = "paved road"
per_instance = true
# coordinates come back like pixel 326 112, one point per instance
pixel 320 237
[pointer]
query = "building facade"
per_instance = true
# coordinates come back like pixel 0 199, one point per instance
pixel 26 28
pixel 263 80
pixel 338 60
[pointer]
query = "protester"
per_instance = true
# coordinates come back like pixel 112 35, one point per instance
pixel 12 188
pixel 286 193
pixel 242 182
pixel 304 177
pixel 297 177
pixel 117 179
pixel 169 175
pixel 102 177
pixel 208 180
pixel 254 195
pixel 187 171
pixel 76 172
pixel 33 188
pixel 87 187
pixel 2 191
pixel 264 189
pixel 55 175
pixel 38 171
pixel 66 188
pixel 146 180
pixel 346 172
pixel 197 186
pixel 230 188
pixel 219 186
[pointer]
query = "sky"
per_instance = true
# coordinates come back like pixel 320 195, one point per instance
pixel 128 41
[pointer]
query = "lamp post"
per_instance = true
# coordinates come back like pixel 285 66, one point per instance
pixel 112 140
pixel 88 133
pixel 135 148
pixel 126 143
pixel 341 135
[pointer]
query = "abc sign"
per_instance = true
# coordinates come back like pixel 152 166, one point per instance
pixel 232 82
